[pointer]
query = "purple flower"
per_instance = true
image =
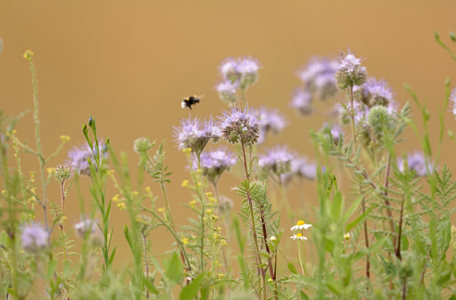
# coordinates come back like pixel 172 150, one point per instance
pixel 319 77
pixel 270 121
pixel 416 162
pixel 453 100
pixel 335 130
pixel 374 92
pixel 227 91
pixel 79 157
pixel 240 126
pixel 302 101
pixel 350 72
pixel 88 228
pixel 276 160
pixel 34 237
pixel 242 71
pixel 214 163
pixel 303 168
pixel 195 134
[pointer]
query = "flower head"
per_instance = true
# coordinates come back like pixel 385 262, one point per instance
pixel 301 167
pixel 270 121
pixel 240 125
pixel 276 160
pixel 301 225
pixel 453 100
pixel 319 77
pixel 214 163
pixel 350 72
pixel 347 236
pixel 227 91
pixel 298 236
pixel 195 134
pixel 373 92
pixel 142 145
pixel 34 237
pixel 416 162
pixel 302 101
pixel 242 72
pixel 229 70
pixel 79 157
pixel 88 228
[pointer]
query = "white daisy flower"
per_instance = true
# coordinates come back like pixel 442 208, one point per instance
pixel 273 238
pixel 347 236
pixel 301 225
pixel 298 236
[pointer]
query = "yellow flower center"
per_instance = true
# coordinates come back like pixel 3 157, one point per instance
pixel 300 222
pixel 299 235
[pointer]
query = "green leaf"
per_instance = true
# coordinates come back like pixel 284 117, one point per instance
pixel 303 295
pixel 149 285
pixel 292 268
pixel 175 270
pixel 355 222
pixel 337 206
pixel 191 291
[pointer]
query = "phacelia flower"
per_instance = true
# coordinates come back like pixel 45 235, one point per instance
pixel 453 100
pixel 276 160
pixel 62 173
pixel 373 92
pixel 142 145
pixel 214 163
pixel 242 71
pixel 416 162
pixel 270 121
pixel 302 101
pixel 350 72
pixel 227 91
pixel 301 225
pixel 301 167
pixel 319 77
pixel 79 157
pixel 240 126
pixel 34 237
pixel 195 134
pixel 298 236
pixel 88 228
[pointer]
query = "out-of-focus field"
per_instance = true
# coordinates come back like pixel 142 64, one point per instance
pixel 129 64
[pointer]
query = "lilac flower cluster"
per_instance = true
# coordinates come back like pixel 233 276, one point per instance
pixel 34 237
pixel 374 92
pixel 319 81
pixel 416 162
pixel 453 100
pixel 300 168
pixel 195 134
pixel 214 163
pixel 277 160
pixel 334 129
pixel 240 126
pixel 270 121
pixel 88 228
pixel 350 72
pixel 79 157
pixel 237 74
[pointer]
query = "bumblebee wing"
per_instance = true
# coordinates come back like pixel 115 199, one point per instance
pixel 183 104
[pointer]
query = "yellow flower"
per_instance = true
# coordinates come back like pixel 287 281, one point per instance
pixel 148 190
pixel 270 280
pixel 215 217
pixel 115 198
pixel 199 171
pixel 187 150
pixel 220 275
pixel 185 241
pixel 347 236
pixel 121 205
pixel 209 194
pixel 184 183
pixel 209 211
pixel 135 193
pixel 161 209
pixel 223 242
pixel 50 171
pixel 64 138
pixel 192 203
pixel 28 54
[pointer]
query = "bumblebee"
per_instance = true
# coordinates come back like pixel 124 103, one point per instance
pixel 189 101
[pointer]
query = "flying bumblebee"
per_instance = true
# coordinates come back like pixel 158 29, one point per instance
pixel 189 101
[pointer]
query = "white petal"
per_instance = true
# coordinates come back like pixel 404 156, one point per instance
pixel 294 227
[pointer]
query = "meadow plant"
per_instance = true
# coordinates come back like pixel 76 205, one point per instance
pixel 379 227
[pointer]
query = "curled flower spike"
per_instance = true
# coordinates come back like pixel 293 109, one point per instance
pixel 214 163
pixel 298 236
pixel 79 157
pixel 195 134
pixel 240 126
pixel 301 225
pixel 350 72
pixel 276 160
pixel 34 237
pixel 319 77
pixel 416 162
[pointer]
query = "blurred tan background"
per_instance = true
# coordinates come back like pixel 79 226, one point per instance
pixel 129 64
